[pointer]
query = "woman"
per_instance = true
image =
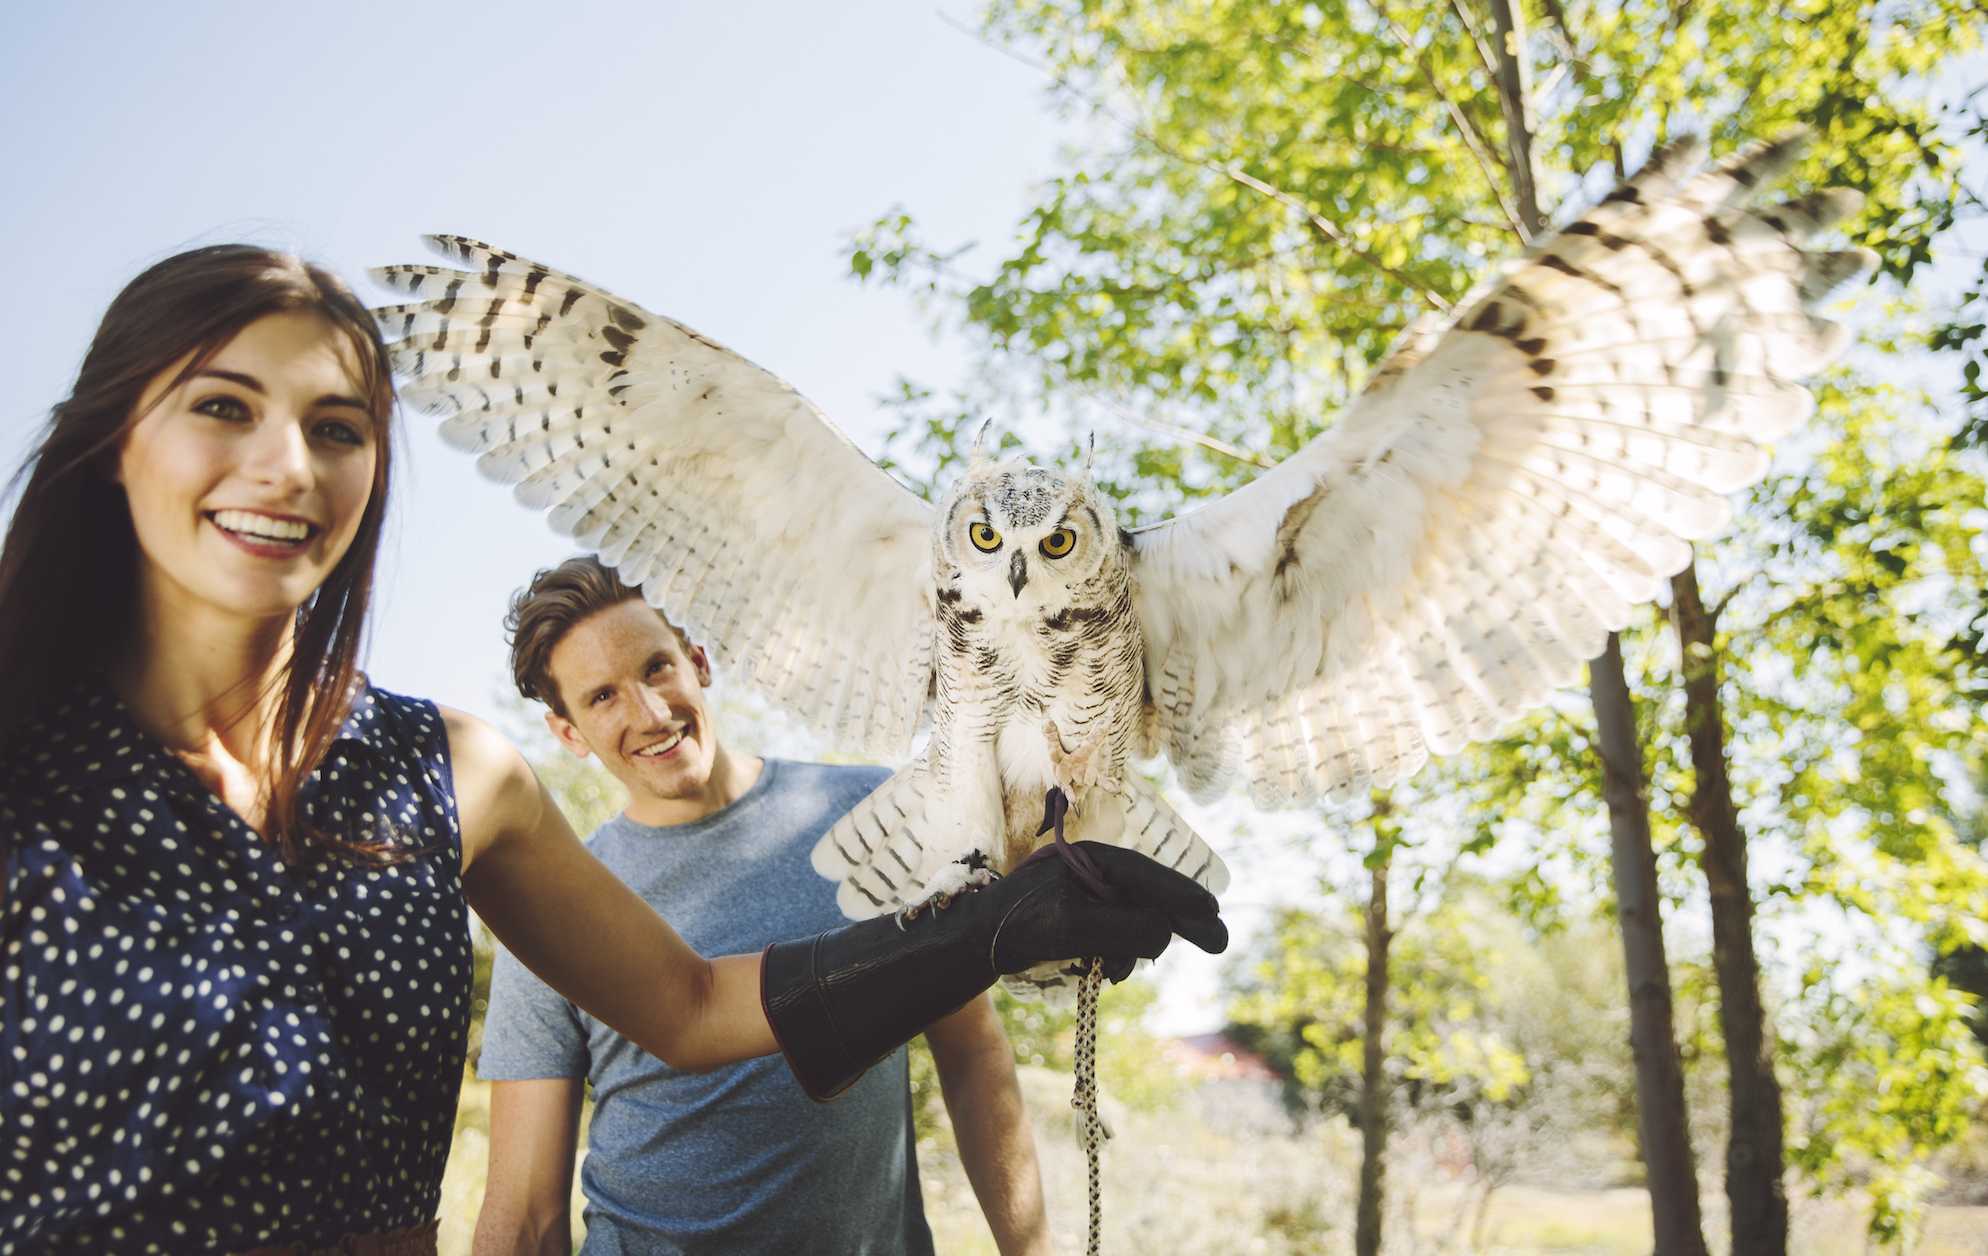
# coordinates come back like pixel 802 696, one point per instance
pixel 233 909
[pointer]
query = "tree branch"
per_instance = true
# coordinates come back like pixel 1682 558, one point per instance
pixel 1322 226
pixel 1727 600
pixel 1187 434
pixel 1465 128
pixel 1476 39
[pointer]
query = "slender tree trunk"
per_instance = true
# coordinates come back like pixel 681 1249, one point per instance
pixel 1754 1187
pixel 1373 1078
pixel 1667 1162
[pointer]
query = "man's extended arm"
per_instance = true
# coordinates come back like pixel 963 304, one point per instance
pixel 996 1147
pixel 534 1126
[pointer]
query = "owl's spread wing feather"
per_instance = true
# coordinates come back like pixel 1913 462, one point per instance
pixel 740 510
pixel 1492 506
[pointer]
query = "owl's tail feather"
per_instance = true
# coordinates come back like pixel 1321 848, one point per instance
pixel 878 851
pixel 1154 829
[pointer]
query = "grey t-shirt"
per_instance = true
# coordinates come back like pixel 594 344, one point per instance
pixel 738 1160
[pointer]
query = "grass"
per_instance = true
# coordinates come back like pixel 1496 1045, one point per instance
pixel 1208 1181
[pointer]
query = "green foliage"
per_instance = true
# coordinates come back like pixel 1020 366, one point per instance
pixel 1883 1074
pixel 1965 331
pixel 1158 279
pixel 1133 1067
pixel 1309 986
pixel 1274 190
pixel 1853 671
pixel 586 794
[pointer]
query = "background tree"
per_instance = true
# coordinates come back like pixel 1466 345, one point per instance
pixel 1284 185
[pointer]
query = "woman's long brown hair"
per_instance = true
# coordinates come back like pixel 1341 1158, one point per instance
pixel 69 567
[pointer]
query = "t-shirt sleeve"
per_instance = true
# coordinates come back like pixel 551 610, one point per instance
pixel 530 1031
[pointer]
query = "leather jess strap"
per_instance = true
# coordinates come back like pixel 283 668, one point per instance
pixel 415 1240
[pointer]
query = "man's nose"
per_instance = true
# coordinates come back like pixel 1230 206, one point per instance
pixel 655 707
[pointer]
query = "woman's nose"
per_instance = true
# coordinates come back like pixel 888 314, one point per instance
pixel 278 453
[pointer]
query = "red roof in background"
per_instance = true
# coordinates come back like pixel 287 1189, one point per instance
pixel 1212 1055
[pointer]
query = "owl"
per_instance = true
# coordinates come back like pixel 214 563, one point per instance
pixel 1440 558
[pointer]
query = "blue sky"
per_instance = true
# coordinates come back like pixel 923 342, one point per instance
pixel 705 161
pixel 702 160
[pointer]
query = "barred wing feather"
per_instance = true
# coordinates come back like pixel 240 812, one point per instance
pixel 1492 506
pixel 735 505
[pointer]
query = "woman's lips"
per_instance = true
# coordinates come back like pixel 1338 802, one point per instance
pixel 264 535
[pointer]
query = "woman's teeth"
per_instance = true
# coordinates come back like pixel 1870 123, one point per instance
pixel 264 528
pixel 662 747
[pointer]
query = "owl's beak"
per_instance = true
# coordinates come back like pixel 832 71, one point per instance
pixel 1018 572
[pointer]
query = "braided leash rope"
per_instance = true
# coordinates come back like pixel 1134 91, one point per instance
pixel 1091 1127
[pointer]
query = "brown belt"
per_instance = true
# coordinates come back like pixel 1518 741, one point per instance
pixel 415 1240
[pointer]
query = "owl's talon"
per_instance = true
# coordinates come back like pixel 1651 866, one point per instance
pixel 1076 770
pixel 962 876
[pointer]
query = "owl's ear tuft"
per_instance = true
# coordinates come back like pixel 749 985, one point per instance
pixel 1090 452
pixel 978 459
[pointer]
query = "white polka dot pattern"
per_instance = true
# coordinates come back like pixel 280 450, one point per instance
pixel 201 1048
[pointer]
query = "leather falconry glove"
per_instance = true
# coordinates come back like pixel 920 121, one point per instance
pixel 844 1000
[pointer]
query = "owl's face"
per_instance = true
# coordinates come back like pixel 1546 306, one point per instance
pixel 1025 535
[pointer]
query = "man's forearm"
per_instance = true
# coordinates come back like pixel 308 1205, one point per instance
pixel 534 1132
pixel 502 1231
pixel 996 1146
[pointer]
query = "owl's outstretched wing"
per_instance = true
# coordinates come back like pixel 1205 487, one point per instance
pixel 1492 506
pixel 741 511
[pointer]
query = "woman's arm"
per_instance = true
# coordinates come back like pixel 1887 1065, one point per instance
pixel 588 936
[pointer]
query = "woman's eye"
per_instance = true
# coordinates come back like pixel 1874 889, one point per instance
pixel 229 408
pixel 339 431
pixel 985 539
pixel 1059 542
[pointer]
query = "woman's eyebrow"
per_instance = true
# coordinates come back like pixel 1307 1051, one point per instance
pixel 254 385
pixel 249 382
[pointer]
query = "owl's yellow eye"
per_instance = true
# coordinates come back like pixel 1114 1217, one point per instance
pixel 1059 542
pixel 985 539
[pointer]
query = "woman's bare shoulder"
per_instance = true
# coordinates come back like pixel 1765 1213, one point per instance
pixel 496 792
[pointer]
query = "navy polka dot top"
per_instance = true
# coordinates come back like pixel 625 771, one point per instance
pixel 202 1049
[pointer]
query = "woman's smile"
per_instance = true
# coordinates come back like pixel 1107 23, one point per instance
pixel 277 536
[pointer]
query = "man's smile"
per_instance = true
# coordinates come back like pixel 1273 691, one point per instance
pixel 662 747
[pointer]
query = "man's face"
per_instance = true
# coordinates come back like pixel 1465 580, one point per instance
pixel 635 696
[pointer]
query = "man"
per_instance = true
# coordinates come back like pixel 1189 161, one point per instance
pixel 739 1160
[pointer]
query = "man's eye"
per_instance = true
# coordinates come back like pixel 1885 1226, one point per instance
pixel 228 408
pixel 603 696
